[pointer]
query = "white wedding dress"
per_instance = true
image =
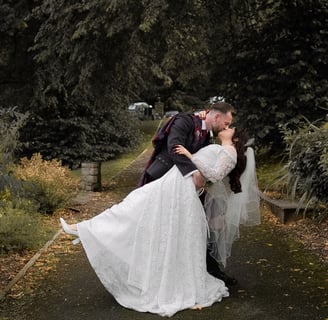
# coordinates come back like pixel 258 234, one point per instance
pixel 149 251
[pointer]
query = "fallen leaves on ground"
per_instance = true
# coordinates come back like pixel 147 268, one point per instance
pixel 313 236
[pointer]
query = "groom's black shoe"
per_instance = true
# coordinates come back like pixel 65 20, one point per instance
pixel 214 270
pixel 229 281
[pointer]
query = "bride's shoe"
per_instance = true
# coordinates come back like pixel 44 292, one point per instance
pixel 76 241
pixel 67 229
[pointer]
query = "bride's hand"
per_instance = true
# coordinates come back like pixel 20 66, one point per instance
pixel 202 114
pixel 180 149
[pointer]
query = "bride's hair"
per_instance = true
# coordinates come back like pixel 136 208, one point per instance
pixel 239 139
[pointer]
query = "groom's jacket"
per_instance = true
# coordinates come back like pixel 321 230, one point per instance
pixel 184 129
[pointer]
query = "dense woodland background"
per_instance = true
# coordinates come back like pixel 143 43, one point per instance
pixel 69 69
pixel 72 67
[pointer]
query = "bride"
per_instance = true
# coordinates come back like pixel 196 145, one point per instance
pixel 149 251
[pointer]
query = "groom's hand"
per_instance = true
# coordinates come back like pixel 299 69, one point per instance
pixel 198 179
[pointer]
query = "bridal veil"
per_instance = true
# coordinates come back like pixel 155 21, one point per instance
pixel 226 210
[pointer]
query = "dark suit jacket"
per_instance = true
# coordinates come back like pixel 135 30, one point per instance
pixel 182 131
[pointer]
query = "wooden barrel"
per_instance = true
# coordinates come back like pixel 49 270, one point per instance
pixel 91 176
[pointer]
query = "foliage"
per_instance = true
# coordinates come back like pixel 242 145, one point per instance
pixel 91 63
pixel 275 67
pixel 307 167
pixel 84 62
pixel 271 177
pixel 19 225
pixel 77 65
pixel 51 184
pixel 16 64
pixel 93 137
pixel 10 123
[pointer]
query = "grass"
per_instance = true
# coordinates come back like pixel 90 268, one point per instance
pixel 269 176
pixel 112 167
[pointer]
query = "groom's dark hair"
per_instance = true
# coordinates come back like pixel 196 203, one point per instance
pixel 222 107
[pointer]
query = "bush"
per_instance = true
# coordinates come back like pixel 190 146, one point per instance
pixel 308 165
pixel 19 225
pixel 51 184
pixel 10 123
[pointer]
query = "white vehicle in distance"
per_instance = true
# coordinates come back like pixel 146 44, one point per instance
pixel 142 110
pixel 138 106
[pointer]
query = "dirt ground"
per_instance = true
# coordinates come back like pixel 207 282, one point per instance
pixel 312 236
pixel 86 205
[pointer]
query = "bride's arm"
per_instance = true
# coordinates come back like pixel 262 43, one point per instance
pixel 226 161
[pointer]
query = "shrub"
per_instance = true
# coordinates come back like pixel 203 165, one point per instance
pixel 19 225
pixel 52 185
pixel 308 165
pixel 10 123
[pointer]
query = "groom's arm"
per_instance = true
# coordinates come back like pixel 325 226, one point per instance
pixel 182 132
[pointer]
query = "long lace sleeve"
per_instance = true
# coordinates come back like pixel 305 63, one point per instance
pixel 224 162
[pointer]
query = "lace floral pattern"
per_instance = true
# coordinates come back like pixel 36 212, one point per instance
pixel 216 164
pixel 149 251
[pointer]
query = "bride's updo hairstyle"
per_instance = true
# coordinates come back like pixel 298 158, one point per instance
pixel 239 139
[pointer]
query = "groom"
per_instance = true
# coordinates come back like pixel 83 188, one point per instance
pixel 190 131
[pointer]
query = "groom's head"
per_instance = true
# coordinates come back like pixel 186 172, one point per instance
pixel 219 116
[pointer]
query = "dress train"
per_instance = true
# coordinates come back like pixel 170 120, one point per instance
pixel 149 251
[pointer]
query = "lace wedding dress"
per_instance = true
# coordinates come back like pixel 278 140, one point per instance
pixel 149 251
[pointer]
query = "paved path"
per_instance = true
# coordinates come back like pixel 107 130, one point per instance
pixel 277 281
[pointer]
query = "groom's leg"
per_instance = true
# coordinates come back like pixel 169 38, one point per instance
pixel 214 270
